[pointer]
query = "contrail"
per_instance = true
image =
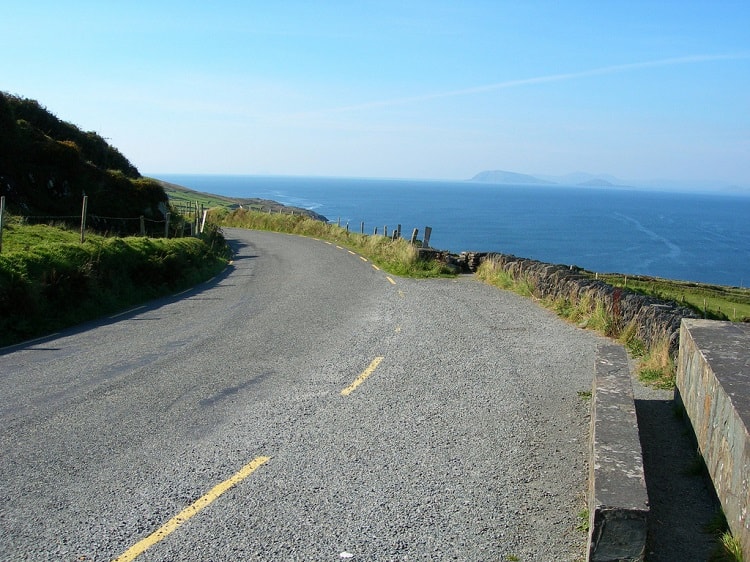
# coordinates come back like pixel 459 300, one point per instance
pixel 613 69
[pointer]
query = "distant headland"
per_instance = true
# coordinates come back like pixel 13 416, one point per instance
pixel 585 179
pixel 581 179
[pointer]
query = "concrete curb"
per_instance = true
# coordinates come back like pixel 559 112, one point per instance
pixel 618 500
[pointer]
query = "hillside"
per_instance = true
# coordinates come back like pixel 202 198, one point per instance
pixel 47 165
pixel 181 196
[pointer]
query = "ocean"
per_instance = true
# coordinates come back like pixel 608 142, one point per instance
pixel 690 236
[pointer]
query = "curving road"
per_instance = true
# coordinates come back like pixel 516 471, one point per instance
pixel 306 406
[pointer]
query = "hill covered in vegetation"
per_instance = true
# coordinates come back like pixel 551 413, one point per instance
pixel 47 165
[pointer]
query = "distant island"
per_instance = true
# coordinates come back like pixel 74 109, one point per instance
pixel 512 178
pixel 584 179
pixel 580 179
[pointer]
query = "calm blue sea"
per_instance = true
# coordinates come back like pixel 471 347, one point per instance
pixel 689 236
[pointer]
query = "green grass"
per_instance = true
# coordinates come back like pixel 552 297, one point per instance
pixel 181 197
pixel 394 256
pixel 18 237
pixel 713 301
pixel 583 521
pixel 728 548
pixel 50 280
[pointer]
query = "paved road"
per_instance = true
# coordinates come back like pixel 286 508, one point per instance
pixel 460 434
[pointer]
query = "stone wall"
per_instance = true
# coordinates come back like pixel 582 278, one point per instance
pixel 713 384
pixel 653 318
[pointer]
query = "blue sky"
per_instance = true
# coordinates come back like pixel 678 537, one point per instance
pixel 415 89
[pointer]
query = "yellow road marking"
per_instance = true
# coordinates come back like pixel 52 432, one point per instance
pixel 339 247
pixel 361 378
pixel 375 266
pixel 352 253
pixel 391 281
pixel 398 329
pixel 174 523
pixel 363 258
pixel 327 242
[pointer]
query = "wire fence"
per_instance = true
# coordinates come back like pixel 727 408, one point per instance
pixel 188 221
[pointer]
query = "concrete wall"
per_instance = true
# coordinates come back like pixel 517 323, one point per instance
pixel 713 383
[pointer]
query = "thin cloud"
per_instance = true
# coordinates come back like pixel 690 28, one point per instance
pixel 614 69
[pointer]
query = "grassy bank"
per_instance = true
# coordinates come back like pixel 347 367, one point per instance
pixel 50 280
pixel 395 256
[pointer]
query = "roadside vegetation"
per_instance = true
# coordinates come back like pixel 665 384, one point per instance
pixel 728 548
pixel 395 256
pixel 50 280
pixel 655 365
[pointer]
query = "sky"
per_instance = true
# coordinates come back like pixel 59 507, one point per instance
pixel 396 89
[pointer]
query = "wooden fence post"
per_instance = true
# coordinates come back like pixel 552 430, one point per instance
pixel 398 231
pixel 166 225
pixel 83 217
pixel 362 227
pixel 143 226
pixel 414 235
pixel 385 231
pixel 2 212
pixel 203 222
pixel 427 233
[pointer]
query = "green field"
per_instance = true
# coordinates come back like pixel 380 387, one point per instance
pixel 185 201
pixel 712 301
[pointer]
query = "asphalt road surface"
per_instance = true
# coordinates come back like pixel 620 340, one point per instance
pixel 303 405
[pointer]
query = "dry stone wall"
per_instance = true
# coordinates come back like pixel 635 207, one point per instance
pixel 654 319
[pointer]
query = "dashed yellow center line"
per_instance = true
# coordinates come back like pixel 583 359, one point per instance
pixel 339 247
pixel 390 280
pixel 352 253
pixel 375 267
pixel 362 377
pixel 327 242
pixel 173 524
pixel 364 259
